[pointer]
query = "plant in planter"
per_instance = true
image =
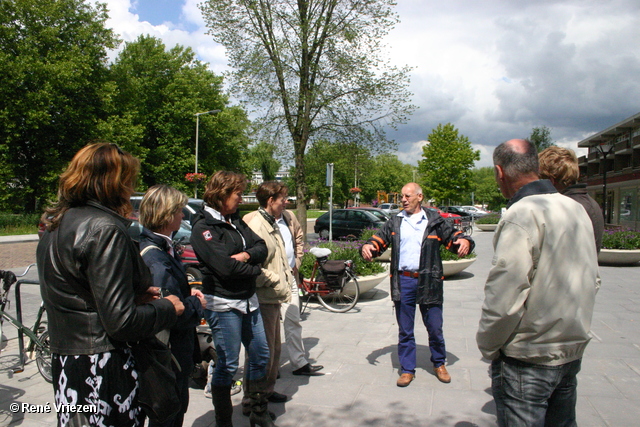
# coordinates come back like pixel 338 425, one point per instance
pixel 488 223
pixel 489 219
pixel 620 246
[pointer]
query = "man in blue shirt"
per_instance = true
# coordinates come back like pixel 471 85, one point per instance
pixel 417 276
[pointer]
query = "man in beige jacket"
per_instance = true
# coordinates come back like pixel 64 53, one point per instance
pixel 539 295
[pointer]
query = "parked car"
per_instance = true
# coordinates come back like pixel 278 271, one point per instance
pixel 347 223
pixel 390 208
pixel 376 211
pixel 457 210
pixel 455 219
pixel 476 212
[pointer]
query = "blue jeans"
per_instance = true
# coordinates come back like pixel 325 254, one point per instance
pixel 229 329
pixel 534 395
pixel 405 315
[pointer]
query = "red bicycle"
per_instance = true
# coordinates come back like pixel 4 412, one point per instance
pixel 333 282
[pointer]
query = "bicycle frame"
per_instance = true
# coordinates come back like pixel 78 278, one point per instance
pixel 21 327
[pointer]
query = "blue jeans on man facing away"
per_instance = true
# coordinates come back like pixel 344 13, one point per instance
pixel 534 395
pixel 405 315
pixel 229 329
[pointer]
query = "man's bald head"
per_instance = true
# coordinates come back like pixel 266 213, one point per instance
pixel 517 157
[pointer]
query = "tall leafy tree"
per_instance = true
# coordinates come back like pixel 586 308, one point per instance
pixel 343 156
pixel 262 157
pixel 485 188
pixel 157 92
pixel 541 138
pixel 387 173
pixel 315 68
pixel 446 166
pixel 52 77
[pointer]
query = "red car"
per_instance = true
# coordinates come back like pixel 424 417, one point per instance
pixel 455 219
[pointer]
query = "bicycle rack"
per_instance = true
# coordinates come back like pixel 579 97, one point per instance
pixel 18 302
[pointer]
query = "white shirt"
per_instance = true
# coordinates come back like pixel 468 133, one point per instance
pixel 412 231
pixel 288 241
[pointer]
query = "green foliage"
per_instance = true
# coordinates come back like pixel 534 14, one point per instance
pixel 617 238
pixel 262 158
pixel 156 94
pixel 12 224
pixel 446 166
pixel 53 56
pixel 344 251
pixel 485 188
pixel 387 173
pixel 489 219
pixel 315 69
pixel 344 158
pixel 446 255
pixel 541 138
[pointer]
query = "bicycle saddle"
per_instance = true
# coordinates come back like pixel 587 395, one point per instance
pixel 320 252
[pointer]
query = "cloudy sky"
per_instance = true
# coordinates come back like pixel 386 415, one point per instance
pixel 493 68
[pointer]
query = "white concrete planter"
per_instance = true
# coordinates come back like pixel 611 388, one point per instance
pixel 385 257
pixel 487 227
pixel 619 256
pixel 454 267
pixel 366 283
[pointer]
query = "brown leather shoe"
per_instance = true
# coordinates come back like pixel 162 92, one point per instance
pixel 405 379
pixel 442 374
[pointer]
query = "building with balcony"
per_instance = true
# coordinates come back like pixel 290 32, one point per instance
pixel 613 162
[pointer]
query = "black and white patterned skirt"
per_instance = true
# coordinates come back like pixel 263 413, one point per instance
pixel 107 383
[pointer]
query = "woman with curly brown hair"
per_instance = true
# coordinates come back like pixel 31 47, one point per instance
pixel 97 290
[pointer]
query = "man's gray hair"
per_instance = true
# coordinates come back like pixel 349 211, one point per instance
pixel 516 162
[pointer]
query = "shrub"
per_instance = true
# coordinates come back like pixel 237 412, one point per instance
pixel 448 256
pixel 489 219
pixel 620 238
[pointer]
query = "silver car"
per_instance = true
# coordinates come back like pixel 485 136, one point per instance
pixel 390 208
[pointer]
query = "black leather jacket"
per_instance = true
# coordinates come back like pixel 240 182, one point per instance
pixel 90 273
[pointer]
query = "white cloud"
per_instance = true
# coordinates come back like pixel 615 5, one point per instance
pixel 495 69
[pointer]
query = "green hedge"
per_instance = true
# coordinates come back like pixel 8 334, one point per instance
pixel 489 219
pixel 11 224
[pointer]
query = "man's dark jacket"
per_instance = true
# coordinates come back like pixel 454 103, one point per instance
pixel 438 232
pixel 578 192
pixel 214 242
pixel 90 274
pixel 168 273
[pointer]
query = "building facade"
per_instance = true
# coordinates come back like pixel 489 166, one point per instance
pixel 613 163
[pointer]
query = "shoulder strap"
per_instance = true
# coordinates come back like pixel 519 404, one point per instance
pixel 148 248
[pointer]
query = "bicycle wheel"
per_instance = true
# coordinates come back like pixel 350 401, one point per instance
pixel 43 357
pixel 337 300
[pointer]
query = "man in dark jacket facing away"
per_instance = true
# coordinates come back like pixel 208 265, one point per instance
pixel 417 276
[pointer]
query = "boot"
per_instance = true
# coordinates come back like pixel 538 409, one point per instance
pixel 221 396
pixel 259 404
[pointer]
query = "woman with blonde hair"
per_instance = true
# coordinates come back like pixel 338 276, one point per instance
pixel 231 254
pixel 161 215
pixel 97 290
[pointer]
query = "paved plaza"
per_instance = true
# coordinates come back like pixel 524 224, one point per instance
pixel 358 351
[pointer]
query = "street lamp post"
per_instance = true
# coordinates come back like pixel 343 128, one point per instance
pixel 604 149
pixel 197 135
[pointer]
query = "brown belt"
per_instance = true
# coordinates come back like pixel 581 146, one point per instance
pixel 413 274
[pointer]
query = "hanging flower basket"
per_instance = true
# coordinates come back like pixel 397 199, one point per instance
pixel 355 190
pixel 195 177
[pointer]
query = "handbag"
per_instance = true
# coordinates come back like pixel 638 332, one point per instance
pixel 158 393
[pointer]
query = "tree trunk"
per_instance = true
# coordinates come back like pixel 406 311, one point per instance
pixel 301 186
